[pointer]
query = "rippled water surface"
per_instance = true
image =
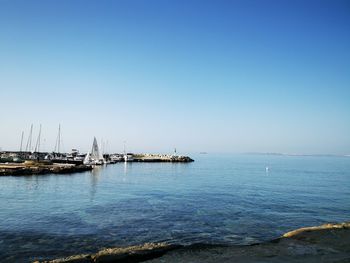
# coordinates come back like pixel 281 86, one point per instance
pixel 229 199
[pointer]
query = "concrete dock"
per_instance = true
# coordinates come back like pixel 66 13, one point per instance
pixel 36 168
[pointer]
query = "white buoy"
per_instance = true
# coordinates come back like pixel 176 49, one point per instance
pixel 267 169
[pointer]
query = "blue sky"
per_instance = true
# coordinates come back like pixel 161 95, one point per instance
pixel 216 76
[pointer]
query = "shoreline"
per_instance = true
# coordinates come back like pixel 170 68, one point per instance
pixel 41 167
pixel 324 243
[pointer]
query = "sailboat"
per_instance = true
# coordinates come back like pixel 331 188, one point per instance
pixel 96 157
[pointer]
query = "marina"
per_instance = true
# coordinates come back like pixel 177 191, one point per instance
pixel 20 163
pixel 33 161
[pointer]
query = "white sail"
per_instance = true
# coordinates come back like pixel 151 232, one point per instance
pixel 87 159
pixel 95 153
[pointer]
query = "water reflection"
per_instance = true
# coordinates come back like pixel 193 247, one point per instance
pixel 95 175
pixel 32 182
pixel 125 168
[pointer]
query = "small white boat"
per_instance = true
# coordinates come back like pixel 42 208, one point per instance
pixel 128 157
pixel 116 158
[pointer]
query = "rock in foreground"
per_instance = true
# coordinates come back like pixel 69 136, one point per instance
pixel 326 243
pixel 128 254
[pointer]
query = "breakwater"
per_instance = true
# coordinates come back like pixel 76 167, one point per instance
pixel 27 163
pixel 161 158
pixel 36 168
pixel 74 158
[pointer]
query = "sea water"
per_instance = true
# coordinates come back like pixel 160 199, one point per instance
pixel 218 199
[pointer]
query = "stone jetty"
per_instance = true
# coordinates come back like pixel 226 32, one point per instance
pixel 326 243
pixel 37 168
pixel 161 158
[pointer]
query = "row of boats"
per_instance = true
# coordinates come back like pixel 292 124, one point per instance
pixel 95 156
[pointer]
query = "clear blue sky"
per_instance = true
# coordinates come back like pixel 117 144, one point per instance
pixel 216 76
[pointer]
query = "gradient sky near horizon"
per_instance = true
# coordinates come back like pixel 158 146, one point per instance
pixel 215 76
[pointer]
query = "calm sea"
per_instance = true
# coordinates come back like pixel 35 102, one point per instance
pixel 219 199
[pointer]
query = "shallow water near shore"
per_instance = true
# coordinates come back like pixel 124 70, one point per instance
pixel 218 199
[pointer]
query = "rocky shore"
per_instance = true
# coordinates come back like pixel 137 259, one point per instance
pixel 36 168
pixel 326 243
pixel 139 253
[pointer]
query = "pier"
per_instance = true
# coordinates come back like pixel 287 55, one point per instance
pixel 36 168
pixel 161 158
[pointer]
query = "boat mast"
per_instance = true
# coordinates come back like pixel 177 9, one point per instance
pixel 20 149
pixel 37 145
pixel 29 141
pixel 102 149
pixel 59 137
pixel 58 140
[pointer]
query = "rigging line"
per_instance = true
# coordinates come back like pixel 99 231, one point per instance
pixel 20 149
pixel 29 140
